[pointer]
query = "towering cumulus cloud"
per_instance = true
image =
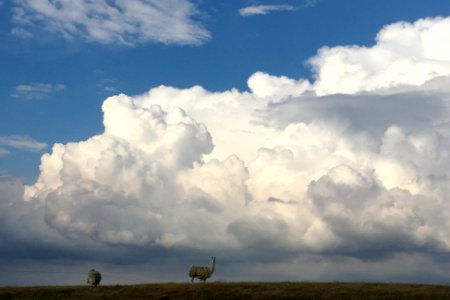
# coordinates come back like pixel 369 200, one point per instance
pixel 404 54
pixel 354 163
pixel 116 187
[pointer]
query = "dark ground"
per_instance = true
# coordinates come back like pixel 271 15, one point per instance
pixel 234 290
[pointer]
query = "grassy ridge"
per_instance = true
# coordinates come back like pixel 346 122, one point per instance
pixel 238 290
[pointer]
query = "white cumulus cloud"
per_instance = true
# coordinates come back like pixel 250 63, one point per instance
pixel 290 167
pixel 404 54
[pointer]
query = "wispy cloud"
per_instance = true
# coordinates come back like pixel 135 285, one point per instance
pixel 21 33
pixel 3 152
pixel 36 91
pixel 115 21
pixel 310 3
pixel 263 9
pixel 21 143
pixel 106 85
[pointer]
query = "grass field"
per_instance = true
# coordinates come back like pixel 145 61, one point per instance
pixel 234 290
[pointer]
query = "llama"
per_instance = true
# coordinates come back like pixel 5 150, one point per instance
pixel 94 278
pixel 202 272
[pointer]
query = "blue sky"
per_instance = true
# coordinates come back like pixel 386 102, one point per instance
pixel 268 108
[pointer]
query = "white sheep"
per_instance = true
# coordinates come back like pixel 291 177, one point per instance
pixel 94 278
pixel 202 272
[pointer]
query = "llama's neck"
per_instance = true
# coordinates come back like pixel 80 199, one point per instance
pixel 212 264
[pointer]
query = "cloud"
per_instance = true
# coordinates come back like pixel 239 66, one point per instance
pixel 311 3
pixel 106 85
pixel 36 91
pixel 120 22
pixel 276 87
pixel 21 33
pixel 404 54
pixel 22 143
pixel 290 172
pixel 3 152
pixel 109 88
pixel 263 9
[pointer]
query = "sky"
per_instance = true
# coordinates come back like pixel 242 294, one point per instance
pixel 293 140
